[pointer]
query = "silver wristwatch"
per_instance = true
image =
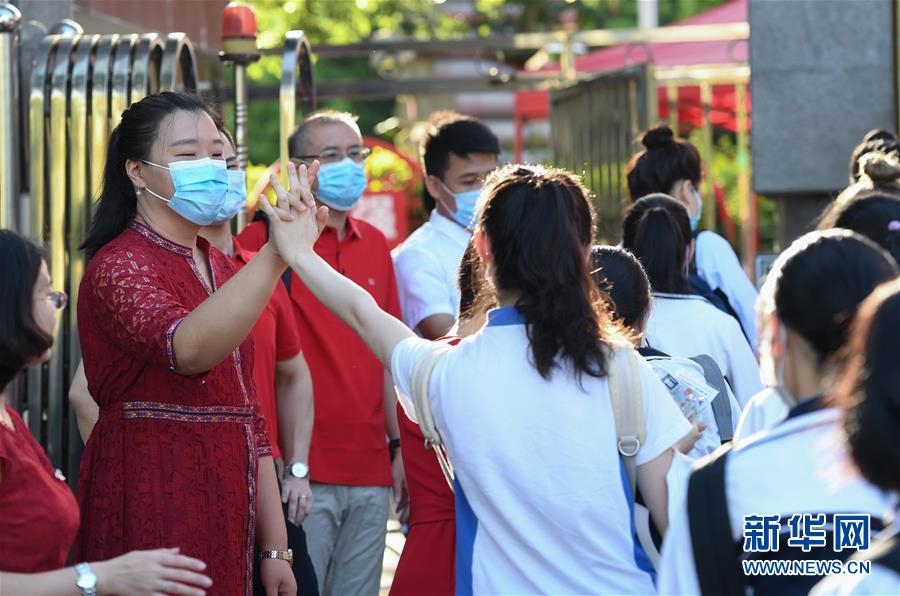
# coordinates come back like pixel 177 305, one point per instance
pixel 298 469
pixel 85 579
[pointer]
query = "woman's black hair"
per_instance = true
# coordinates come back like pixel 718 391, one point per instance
pixel 620 276
pixel 657 230
pixel 664 161
pixel 21 338
pixel 870 388
pixel 470 277
pixel 817 285
pixel 540 224
pixel 131 139
pixel 875 215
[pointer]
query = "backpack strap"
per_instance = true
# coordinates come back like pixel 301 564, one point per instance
pixel 286 277
pixel 720 406
pixel 421 377
pixel 715 554
pixel 885 552
pixel 627 400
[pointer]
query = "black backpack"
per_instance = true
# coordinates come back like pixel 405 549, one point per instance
pixel 717 557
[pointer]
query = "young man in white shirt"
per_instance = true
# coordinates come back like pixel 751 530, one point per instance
pixel 458 153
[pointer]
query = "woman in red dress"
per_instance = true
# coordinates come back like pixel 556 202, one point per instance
pixel 179 453
pixel 38 512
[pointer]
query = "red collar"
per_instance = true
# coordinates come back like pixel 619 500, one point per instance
pixel 179 249
pixel 240 253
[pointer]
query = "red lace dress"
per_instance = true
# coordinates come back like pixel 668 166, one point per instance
pixel 172 460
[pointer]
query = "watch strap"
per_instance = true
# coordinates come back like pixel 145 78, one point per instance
pixel 284 555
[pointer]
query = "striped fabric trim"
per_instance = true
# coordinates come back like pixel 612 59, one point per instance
pixel 185 413
pixel 170 343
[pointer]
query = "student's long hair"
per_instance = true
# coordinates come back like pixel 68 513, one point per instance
pixel 21 338
pixel 540 224
pixel 657 230
pixel 132 139
pixel 818 283
pixel 870 388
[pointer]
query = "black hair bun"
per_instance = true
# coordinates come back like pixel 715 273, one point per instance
pixel 660 136
pixel 880 169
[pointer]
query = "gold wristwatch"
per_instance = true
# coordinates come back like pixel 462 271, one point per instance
pixel 284 555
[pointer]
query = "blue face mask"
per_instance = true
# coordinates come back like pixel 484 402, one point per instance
pixel 200 188
pixel 341 184
pixel 235 196
pixel 466 202
pixel 695 218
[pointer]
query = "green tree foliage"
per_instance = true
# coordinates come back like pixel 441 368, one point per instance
pixel 337 22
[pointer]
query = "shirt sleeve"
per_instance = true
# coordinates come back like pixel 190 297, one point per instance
pixel 742 368
pixel 677 572
pixel 261 432
pixel 718 265
pixel 423 289
pixel 664 421
pixel 391 303
pixel 287 339
pixel 764 411
pixel 403 359
pixel 137 309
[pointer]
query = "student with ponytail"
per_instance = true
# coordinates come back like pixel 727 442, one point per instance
pixel 523 405
pixel 657 231
pixel 870 392
pixel 672 166
pixel 802 464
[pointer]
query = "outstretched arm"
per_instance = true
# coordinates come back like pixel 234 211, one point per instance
pixel 353 305
pixel 215 328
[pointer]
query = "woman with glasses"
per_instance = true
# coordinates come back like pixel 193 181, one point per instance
pixel 352 468
pixel 38 513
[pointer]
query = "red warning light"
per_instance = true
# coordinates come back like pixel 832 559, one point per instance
pixel 238 21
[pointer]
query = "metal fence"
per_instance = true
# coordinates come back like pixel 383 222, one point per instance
pixel 79 87
pixel 594 123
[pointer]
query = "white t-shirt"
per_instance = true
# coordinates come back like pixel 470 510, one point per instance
pixel 801 466
pixel 718 265
pixel 687 325
pixel 426 266
pixel 542 504
pixel 764 411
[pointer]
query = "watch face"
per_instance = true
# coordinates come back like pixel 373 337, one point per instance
pixel 86 580
pixel 299 470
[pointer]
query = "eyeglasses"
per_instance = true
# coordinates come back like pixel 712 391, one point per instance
pixel 59 300
pixel 357 154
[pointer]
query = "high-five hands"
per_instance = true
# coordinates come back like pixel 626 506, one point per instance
pixel 294 221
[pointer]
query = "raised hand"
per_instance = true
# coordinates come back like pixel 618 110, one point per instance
pixel 294 221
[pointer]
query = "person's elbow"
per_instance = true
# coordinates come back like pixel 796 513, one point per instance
pixel 191 359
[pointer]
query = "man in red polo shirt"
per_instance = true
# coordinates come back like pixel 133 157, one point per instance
pixel 354 457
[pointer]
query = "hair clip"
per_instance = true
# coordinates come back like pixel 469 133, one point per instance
pixel 894 226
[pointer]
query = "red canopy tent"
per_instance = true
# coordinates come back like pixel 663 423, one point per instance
pixel 531 105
